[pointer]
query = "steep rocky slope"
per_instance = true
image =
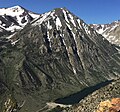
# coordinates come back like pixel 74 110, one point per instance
pixel 110 31
pixel 53 56
pixel 98 98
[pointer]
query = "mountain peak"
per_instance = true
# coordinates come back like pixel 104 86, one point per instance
pixel 17 6
pixel 62 8
pixel 15 10
pixel 60 15
pixel 15 18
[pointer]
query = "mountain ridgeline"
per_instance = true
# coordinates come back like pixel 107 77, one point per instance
pixel 53 56
pixel 110 31
pixel 14 18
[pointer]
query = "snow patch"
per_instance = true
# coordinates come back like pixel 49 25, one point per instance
pixel 100 31
pixel 72 19
pixel 58 23
pixel 52 14
pixel 49 26
pixel 13 43
pixel 78 20
pixel 116 40
pixel 43 18
pixel 35 16
pixel 13 28
pixel 86 28
pixel 113 28
pixel 64 12
pixel 74 71
pixel 13 11
pixel 105 35
pixel 9 37
pixel 48 37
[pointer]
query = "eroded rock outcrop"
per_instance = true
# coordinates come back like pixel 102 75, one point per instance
pixel 112 105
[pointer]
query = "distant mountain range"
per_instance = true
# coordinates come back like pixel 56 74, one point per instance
pixel 15 18
pixel 48 56
pixel 110 31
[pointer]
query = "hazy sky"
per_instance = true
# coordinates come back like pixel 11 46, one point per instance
pixel 91 11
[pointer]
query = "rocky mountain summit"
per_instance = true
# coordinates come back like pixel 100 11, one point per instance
pixel 110 31
pixel 14 18
pixel 53 56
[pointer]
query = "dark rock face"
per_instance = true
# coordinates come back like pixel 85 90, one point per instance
pixel 8 20
pixel 4 32
pixel 54 56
